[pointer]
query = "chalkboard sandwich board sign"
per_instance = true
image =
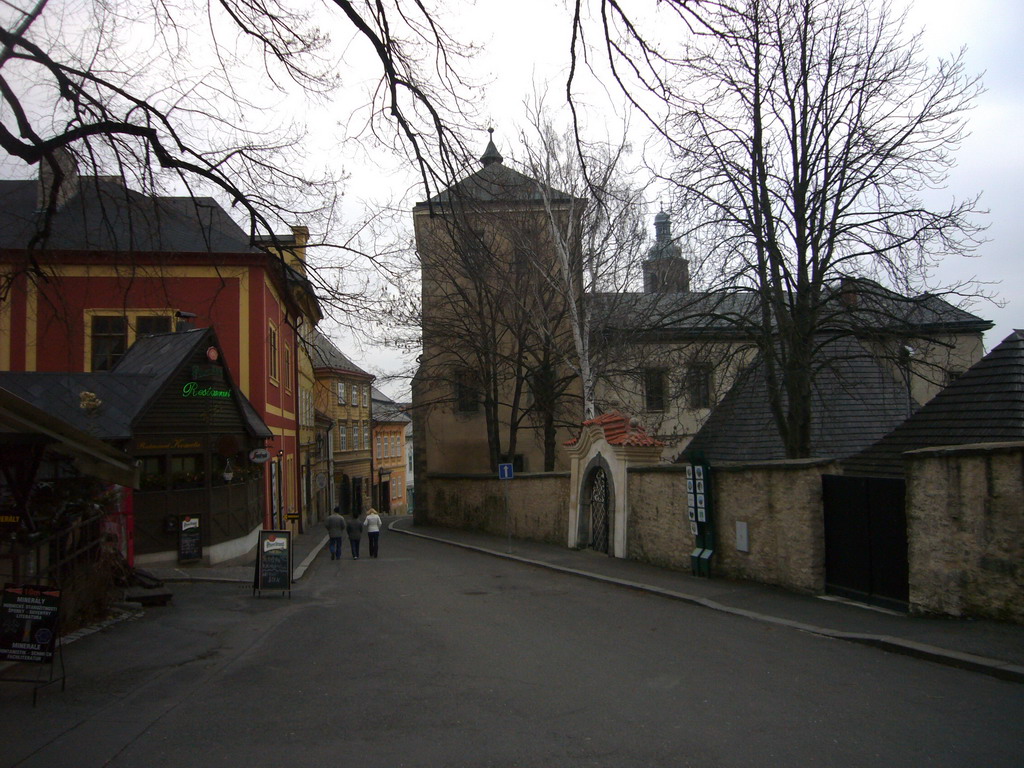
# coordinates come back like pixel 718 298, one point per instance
pixel 273 562
pixel 190 540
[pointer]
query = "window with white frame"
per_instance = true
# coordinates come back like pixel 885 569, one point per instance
pixel 272 351
pixel 354 393
pixel 341 393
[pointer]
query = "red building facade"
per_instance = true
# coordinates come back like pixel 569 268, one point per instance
pixel 118 265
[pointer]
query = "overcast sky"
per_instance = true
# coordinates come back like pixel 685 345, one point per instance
pixel 527 42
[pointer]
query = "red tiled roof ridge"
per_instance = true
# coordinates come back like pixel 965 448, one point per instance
pixel 619 429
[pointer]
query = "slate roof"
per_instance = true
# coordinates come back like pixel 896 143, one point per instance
pixel 386 409
pixel 327 355
pixel 619 429
pixel 494 182
pixel 58 394
pixel 855 400
pixel 985 404
pixel 735 311
pixel 104 215
pixel 126 391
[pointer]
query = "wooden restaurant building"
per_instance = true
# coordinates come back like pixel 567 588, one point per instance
pixel 170 403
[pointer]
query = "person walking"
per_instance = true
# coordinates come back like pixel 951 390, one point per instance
pixel 372 525
pixel 336 531
pixel 354 526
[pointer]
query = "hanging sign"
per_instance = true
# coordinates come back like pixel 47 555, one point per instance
pixel 28 623
pixel 273 561
pixel 259 455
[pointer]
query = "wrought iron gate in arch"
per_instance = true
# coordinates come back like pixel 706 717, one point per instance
pixel 599 510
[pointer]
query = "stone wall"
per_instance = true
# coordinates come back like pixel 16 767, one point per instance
pixel 965 525
pixel 657 529
pixel 538 505
pixel 779 501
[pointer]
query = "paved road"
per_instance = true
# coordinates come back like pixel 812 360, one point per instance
pixel 434 656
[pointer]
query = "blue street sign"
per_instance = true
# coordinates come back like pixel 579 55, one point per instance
pixel 504 471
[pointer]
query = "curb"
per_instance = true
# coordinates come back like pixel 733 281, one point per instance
pixel 967 661
pixel 297 573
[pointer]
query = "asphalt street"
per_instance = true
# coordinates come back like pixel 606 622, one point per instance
pixel 437 656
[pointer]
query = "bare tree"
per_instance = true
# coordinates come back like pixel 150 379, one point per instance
pixel 166 93
pixel 802 139
pixel 596 241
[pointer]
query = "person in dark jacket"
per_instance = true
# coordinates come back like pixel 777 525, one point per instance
pixel 336 531
pixel 354 526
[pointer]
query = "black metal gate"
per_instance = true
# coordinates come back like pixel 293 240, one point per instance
pixel 866 539
pixel 599 511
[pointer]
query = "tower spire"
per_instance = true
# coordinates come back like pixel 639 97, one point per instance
pixel 491 154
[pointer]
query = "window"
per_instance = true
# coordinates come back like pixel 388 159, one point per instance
pixel 378 446
pixel 366 435
pixel 110 333
pixel 188 471
pixel 306 403
pixel 654 389
pixel 394 446
pixel 286 373
pixel 342 436
pixel 410 460
pixel 698 385
pixel 366 395
pixel 109 341
pixel 153 473
pixel 341 393
pixel 467 394
pixel 272 352
pixel 471 246
pixel 354 393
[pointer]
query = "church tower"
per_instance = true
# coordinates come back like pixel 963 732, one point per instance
pixel 665 270
pixel 491 386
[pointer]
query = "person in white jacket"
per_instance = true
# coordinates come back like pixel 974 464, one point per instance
pixel 372 525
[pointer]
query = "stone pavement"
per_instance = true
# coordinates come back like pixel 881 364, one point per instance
pixel 989 647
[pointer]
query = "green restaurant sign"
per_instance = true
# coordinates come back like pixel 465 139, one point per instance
pixel 193 389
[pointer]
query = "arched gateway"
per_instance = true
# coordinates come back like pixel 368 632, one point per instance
pixel 600 456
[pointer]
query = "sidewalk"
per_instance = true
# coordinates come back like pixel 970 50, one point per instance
pixel 990 647
pixel 305 548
